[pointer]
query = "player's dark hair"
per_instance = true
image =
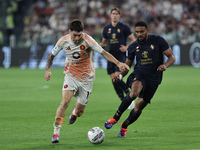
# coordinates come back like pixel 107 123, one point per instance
pixel 76 25
pixel 117 9
pixel 141 24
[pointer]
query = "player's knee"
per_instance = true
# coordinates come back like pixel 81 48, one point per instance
pixel 133 95
pixel 64 104
pixel 137 110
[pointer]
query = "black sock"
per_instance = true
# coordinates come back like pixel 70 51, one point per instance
pixel 118 90
pixel 123 106
pixel 124 86
pixel 131 118
pixel 121 96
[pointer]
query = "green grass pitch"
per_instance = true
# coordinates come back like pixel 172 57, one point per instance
pixel 28 104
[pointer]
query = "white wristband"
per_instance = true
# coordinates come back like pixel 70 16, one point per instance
pixel 120 77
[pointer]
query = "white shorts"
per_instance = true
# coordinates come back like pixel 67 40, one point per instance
pixel 82 90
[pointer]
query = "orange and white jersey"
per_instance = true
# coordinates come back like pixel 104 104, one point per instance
pixel 79 61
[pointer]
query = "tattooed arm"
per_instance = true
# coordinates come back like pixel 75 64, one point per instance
pixel 48 66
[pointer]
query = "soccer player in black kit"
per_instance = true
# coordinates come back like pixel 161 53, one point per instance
pixel 116 34
pixel 147 74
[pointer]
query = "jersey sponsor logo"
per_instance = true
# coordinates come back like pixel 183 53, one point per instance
pixel 82 47
pixel 65 86
pixel 76 55
pixel 68 48
pixel 146 60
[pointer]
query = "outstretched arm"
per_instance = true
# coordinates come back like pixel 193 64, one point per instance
pixel 48 66
pixel 129 63
pixel 109 57
pixel 169 62
pixel 123 73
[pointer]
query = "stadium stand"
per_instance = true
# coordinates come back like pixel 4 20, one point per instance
pixel 44 21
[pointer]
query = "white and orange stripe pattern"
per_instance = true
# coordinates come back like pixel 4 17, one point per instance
pixel 79 61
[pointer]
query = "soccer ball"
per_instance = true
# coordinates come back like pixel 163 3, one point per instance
pixel 96 135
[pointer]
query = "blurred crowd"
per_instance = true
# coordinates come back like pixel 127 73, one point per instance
pixel 178 21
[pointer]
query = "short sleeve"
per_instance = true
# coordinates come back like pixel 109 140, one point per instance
pixel 93 44
pixel 104 33
pixel 163 44
pixel 130 52
pixel 127 30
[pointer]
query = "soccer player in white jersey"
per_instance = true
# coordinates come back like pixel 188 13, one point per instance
pixel 79 72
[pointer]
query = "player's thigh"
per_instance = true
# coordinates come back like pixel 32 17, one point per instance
pixel 67 95
pixel 83 93
pixel 112 68
pixel 136 88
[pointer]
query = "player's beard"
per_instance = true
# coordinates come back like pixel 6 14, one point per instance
pixel 142 39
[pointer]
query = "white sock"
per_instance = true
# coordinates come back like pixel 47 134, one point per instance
pixel 132 105
pixel 57 129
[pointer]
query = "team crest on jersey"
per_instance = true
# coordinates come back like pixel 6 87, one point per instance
pixel 65 86
pixel 118 30
pixel 76 55
pixel 152 47
pixel 109 30
pixel 137 49
pixel 82 47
